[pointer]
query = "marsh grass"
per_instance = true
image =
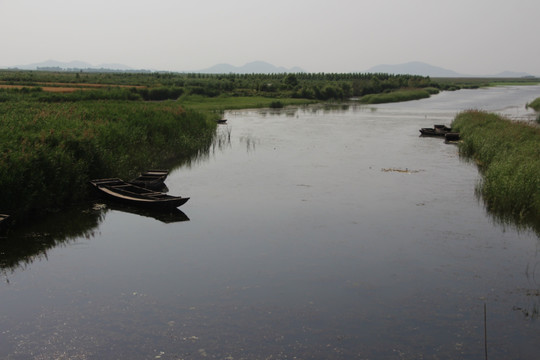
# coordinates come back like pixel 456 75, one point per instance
pixel 49 152
pixel 508 155
pixel 222 103
pixel 396 96
pixel 535 104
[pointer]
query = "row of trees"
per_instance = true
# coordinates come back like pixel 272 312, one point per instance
pixel 160 86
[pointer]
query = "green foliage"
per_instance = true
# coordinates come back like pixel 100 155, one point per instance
pixel 455 83
pixel 162 86
pixel 219 104
pixel 508 154
pixel 54 149
pixel 432 90
pixel 535 104
pixel 60 129
pixel 394 96
pixel 290 80
pixel 276 104
pixel 160 93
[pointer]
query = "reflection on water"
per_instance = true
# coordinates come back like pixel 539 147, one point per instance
pixel 167 217
pixel 250 143
pixel 222 139
pixel 23 245
pixel 315 232
pixel 29 243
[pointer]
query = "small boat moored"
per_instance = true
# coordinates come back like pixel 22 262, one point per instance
pixel 430 132
pixel 441 131
pixel 4 219
pixel 442 128
pixel 151 179
pixel 436 130
pixel 451 136
pixel 122 191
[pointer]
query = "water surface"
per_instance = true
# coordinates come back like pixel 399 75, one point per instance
pixel 311 233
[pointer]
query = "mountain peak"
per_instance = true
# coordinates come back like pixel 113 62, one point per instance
pixel 75 64
pixel 423 69
pixel 415 68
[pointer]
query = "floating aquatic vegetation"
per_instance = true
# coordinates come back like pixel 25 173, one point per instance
pixel 399 170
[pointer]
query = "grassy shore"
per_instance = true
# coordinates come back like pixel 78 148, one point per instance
pixel 60 129
pixel 535 104
pixel 395 96
pixel 508 154
pixel 49 152
pixel 221 103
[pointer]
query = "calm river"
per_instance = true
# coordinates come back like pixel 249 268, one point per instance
pixel 311 233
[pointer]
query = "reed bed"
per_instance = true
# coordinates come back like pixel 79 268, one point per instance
pixel 535 104
pixel 49 151
pixel 508 155
pixel 395 96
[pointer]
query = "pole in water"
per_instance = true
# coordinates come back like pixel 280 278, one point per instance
pixel 485 331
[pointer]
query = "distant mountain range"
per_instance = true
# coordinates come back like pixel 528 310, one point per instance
pixel 255 67
pixel 72 65
pixel 261 67
pixel 423 69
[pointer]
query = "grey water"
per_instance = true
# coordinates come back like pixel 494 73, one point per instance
pixel 317 232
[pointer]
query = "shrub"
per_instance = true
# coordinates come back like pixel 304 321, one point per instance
pixel 276 104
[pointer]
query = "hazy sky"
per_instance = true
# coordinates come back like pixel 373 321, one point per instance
pixel 467 36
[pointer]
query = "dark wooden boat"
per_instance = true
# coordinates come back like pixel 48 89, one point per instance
pixel 442 128
pixel 221 121
pixel 151 179
pixel 431 132
pixel 122 191
pixel 4 219
pixel 171 215
pixel 452 136
pixel 437 130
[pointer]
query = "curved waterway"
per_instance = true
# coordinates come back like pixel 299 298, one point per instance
pixel 311 233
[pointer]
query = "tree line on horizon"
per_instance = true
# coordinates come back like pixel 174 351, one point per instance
pixel 162 86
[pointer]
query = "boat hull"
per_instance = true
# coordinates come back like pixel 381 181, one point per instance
pixel 4 219
pixel 124 192
pixel 151 179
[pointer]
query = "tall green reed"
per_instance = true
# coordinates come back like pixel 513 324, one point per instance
pixel 508 154
pixel 49 152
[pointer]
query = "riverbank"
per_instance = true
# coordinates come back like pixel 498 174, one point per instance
pixel 398 96
pixel 507 154
pixel 535 104
pixel 219 104
pixel 49 152
pixel 60 129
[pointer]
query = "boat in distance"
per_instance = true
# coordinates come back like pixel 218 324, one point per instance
pixel 122 191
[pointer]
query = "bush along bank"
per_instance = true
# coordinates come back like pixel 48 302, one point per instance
pixel 397 96
pixel 49 152
pixel 535 104
pixel 508 155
